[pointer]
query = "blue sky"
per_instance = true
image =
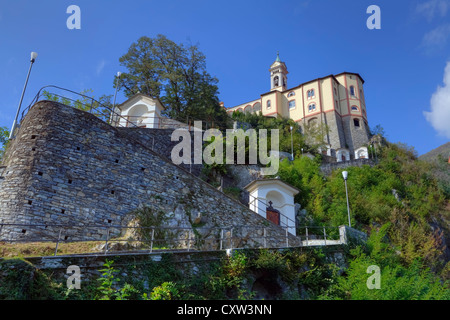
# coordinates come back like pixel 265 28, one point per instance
pixel 403 63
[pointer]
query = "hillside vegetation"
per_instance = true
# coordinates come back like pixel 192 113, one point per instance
pixel 438 158
pixel 401 202
pixel 398 202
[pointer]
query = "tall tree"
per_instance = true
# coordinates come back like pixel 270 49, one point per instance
pixel 4 135
pixel 176 74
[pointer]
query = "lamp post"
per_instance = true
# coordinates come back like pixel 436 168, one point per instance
pixel 33 59
pixel 292 145
pixel 115 94
pixel 345 175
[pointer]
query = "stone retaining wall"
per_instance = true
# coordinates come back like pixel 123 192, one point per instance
pixel 66 166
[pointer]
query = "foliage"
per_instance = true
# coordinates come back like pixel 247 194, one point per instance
pixel 108 288
pixel 4 136
pixel 176 74
pixel 166 291
pixel 269 260
pixel 258 121
pixel 20 280
pixel 398 185
pixel 85 102
pixel 147 219
pixel 378 130
pixel 397 281
pixel 230 281
pixel 234 192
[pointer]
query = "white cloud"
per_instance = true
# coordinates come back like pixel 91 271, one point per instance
pixel 439 116
pixel 430 9
pixel 437 37
pixel 100 67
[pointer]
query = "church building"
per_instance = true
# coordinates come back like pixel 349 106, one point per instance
pixel 334 100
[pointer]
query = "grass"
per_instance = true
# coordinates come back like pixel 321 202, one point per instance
pixel 38 249
pixel 42 249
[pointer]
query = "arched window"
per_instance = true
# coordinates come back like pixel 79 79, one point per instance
pixel 355 108
pixel 291 94
pixel 310 94
pixel 257 107
pixel 276 81
pixel 312 107
pixel 269 104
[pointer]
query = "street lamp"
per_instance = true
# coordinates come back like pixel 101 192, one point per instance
pixel 345 175
pixel 33 58
pixel 115 94
pixel 292 145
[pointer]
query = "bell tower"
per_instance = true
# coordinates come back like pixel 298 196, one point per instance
pixel 278 75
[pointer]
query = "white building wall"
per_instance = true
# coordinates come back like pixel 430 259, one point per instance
pixel 282 199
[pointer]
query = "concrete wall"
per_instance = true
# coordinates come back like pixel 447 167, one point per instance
pixel 67 166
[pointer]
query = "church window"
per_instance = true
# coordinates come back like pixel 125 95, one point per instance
pixel 292 104
pixel 356 122
pixel 291 94
pixel 354 108
pixel 312 107
pixel 352 91
pixel 269 104
pixel 311 94
pixel 276 81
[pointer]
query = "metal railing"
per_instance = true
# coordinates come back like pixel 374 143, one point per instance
pixel 82 102
pixel 104 112
pixel 319 235
pixel 108 239
pixel 155 122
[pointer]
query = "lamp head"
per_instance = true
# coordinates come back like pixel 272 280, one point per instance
pixel 119 74
pixel 33 56
pixel 345 174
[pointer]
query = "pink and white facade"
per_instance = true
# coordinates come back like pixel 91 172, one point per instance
pixel 335 100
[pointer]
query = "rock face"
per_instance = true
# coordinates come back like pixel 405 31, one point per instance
pixel 66 166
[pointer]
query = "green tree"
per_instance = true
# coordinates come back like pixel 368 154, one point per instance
pixel 258 121
pixel 4 136
pixel 176 74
